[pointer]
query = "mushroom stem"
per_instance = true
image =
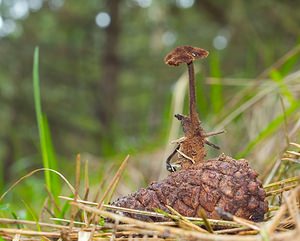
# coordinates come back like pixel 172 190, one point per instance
pixel 192 94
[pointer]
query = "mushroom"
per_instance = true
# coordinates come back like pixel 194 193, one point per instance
pixel 190 147
pixel 188 54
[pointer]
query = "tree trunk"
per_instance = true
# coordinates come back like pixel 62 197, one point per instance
pixel 108 87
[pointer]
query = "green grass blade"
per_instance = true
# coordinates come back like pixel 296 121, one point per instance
pixel 47 150
pixel 290 63
pixel 56 184
pixel 278 78
pixel 65 209
pixel 46 146
pixel 39 116
pixel 15 216
pixel 32 214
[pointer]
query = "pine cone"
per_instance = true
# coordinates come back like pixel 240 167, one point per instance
pixel 229 184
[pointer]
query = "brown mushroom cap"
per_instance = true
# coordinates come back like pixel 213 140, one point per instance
pixel 185 54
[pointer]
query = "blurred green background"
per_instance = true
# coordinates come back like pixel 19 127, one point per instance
pixel 106 91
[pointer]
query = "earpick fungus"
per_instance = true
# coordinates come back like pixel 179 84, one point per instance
pixel 222 183
pixel 191 146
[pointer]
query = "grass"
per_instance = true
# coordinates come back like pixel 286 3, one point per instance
pixel 281 221
pixel 46 146
pixel 270 129
pixel 257 93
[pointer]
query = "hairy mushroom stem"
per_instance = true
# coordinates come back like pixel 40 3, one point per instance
pixel 192 94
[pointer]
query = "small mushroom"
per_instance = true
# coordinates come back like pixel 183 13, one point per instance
pixel 188 54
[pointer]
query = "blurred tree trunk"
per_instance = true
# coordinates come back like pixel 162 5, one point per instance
pixel 9 154
pixel 8 159
pixel 108 88
pixel 214 11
